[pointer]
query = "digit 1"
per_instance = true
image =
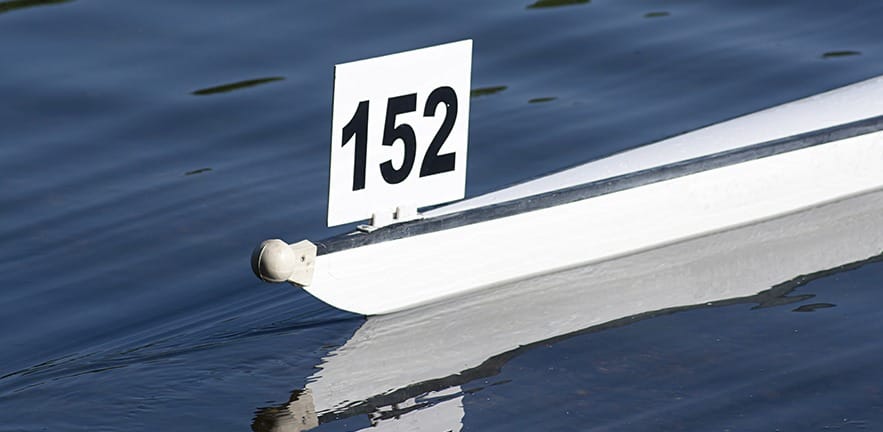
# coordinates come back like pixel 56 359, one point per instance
pixel 358 126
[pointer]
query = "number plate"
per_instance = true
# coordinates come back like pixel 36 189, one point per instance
pixel 399 132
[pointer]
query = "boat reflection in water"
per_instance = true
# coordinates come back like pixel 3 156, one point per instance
pixel 406 369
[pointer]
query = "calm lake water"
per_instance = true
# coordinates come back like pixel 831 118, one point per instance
pixel 146 147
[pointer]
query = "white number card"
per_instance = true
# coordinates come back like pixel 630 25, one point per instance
pixel 399 132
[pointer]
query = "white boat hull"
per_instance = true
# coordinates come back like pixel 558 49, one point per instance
pixel 817 150
pixel 394 275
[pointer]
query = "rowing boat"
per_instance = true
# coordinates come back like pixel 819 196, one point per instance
pixel 739 172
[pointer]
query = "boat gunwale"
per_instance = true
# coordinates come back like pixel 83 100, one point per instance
pixel 602 187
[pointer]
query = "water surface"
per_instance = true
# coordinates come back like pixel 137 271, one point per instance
pixel 145 147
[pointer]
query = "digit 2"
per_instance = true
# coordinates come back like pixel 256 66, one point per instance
pixel 434 163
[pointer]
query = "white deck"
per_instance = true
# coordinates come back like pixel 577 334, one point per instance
pixel 858 101
pixel 394 275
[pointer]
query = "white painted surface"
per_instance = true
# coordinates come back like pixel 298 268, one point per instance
pixel 390 276
pixel 446 416
pixel 854 102
pixel 376 80
pixel 394 351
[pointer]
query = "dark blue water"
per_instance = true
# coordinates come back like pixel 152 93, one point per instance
pixel 809 363
pixel 145 147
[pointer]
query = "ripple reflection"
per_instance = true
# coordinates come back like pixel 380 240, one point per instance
pixel 555 3
pixel 224 88
pixel 8 6
pixel 486 91
pixel 839 54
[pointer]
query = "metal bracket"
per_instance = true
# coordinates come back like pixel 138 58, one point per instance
pixel 305 255
pixel 382 219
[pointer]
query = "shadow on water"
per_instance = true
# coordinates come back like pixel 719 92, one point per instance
pixel 224 88
pixel 813 307
pixel 9 6
pixel 382 373
pixel 555 3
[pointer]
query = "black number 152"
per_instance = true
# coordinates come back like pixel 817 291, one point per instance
pixel 433 163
